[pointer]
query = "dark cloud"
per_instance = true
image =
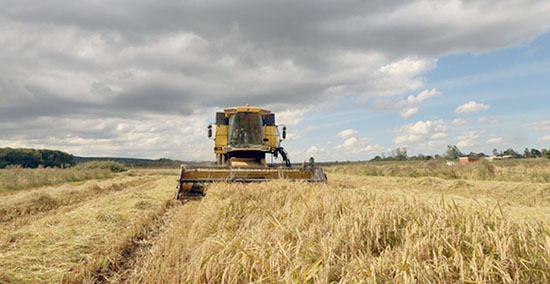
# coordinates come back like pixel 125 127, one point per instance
pixel 153 99
pixel 125 60
pixel 395 27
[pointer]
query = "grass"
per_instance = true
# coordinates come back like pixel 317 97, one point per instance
pixel 288 232
pixel 20 178
pixel 529 170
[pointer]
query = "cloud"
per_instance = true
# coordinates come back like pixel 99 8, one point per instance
pixel 465 143
pixel 420 131
pixel 290 136
pixel 171 64
pixel 376 149
pixel 408 67
pixel 350 142
pixel 436 146
pixel 459 121
pixel 471 107
pixel 494 140
pixel 487 120
pixel 439 135
pixel 424 95
pixel 540 125
pixel 346 133
pixel 482 119
pixel 312 127
pixel 409 106
pixel 409 112
pixel 290 117
pixel 150 137
pixel 545 138
pixel 469 138
pixel 353 144
pixel 315 150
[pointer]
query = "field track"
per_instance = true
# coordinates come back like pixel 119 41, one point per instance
pixel 129 229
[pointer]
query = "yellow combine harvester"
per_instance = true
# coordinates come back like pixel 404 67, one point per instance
pixel 243 136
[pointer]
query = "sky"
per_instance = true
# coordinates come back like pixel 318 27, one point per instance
pixel 350 79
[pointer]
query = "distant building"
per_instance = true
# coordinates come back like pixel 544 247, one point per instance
pixel 467 160
pixel 507 157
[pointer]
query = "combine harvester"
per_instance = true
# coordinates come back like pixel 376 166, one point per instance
pixel 243 136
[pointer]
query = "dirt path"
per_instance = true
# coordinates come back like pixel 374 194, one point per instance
pixel 142 244
pixel 164 243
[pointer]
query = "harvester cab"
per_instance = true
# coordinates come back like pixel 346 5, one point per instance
pixel 243 136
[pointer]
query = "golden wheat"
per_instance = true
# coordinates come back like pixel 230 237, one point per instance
pixel 357 228
pixel 293 232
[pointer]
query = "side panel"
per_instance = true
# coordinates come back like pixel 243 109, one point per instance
pixel 270 136
pixel 220 139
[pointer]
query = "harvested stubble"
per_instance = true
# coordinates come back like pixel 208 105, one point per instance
pixel 19 178
pixel 526 170
pixel 516 195
pixel 85 242
pixel 292 232
pixel 30 202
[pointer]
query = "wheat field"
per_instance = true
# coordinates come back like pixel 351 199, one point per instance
pixel 363 226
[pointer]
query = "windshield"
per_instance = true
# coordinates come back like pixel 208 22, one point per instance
pixel 245 129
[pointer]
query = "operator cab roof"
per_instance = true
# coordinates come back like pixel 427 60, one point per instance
pixel 246 109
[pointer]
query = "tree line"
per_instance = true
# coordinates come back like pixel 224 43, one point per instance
pixel 33 158
pixel 453 153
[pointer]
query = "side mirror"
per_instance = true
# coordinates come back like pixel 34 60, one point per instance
pixel 209 131
pixel 284 132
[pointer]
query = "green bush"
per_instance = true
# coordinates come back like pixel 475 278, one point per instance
pixel 114 167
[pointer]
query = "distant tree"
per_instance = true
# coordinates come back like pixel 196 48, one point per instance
pixel 476 155
pixel 453 152
pixel 377 159
pixel 400 154
pixel 536 153
pixel 31 158
pixel 545 153
pixel 511 152
pixel 495 152
pixel 527 153
pixel 52 158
